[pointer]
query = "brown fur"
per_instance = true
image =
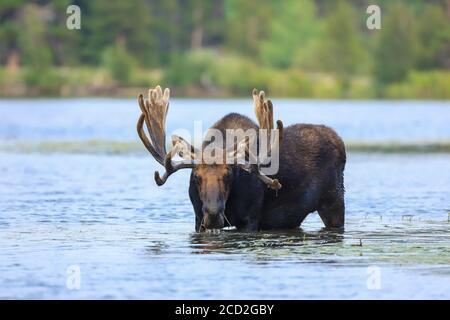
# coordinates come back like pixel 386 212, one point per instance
pixel 312 161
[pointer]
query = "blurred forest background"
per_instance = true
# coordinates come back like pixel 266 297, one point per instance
pixel 224 48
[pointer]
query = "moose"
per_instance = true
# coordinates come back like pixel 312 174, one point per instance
pixel 310 174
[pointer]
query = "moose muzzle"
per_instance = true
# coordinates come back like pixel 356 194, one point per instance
pixel 213 215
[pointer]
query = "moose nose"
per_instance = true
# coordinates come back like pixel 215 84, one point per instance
pixel 213 209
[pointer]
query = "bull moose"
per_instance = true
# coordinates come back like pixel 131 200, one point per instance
pixel 310 175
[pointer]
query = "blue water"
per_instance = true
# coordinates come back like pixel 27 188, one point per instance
pixel 131 239
pixel 115 119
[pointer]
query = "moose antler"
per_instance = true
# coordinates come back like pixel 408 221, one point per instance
pixel 154 112
pixel 264 115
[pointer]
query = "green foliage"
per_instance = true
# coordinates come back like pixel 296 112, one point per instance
pixel 32 39
pixel 107 21
pixel 341 50
pixel 434 39
pixel 292 32
pixel 119 62
pixel 193 68
pixel 422 85
pixel 396 48
pixel 36 54
pixel 246 24
pixel 241 75
pixel 299 48
pixel 46 80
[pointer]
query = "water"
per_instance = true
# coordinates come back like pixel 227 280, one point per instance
pixel 131 239
pixel 115 119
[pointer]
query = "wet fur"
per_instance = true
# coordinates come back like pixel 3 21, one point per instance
pixel 312 162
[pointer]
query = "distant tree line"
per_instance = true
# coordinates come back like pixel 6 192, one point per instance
pixel 201 43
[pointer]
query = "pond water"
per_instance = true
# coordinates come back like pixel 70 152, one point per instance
pixel 103 215
pixel 115 119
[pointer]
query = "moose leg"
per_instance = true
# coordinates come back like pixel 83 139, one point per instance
pixel 198 223
pixel 244 205
pixel 244 213
pixel 197 205
pixel 248 221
